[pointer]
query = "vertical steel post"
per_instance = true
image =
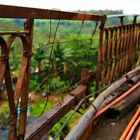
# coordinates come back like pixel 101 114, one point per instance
pixel 99 61
pixel 25 90
pixel 13 113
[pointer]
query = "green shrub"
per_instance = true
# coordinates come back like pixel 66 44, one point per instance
pixel 34 83
pixel 54 84
pixel 37 108
pixel 4 114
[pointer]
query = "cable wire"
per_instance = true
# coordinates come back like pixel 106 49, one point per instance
pixel 91 39
pixel 76 109
pixel 50 57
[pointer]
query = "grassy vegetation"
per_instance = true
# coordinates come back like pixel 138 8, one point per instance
pixel 4 113
pixel 36 108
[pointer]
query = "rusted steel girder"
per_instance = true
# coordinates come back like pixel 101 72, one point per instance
pixel 26 37
pixel 5 73
pixel 117 47
pixel 22 85
pixel 42 125
pixel 98 69
pixel 25 84
pixel 34 13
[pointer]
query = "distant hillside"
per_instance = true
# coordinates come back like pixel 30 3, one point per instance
pixel 104 12
pixel 8 25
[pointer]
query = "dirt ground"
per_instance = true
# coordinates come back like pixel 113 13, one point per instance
pixel 111 129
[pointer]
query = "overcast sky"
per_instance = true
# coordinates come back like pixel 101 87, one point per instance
pixel 129 6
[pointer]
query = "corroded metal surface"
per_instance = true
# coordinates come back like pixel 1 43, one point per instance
pixel 18 127
pixel 117 47
pixel 119 51
pixel 43 124
pixel 22 84
pixel 33 13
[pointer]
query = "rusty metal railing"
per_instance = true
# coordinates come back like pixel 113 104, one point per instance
pixel 22 85
pixel 119 50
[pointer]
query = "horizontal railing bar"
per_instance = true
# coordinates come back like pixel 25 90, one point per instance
pixel 121 15
pixel 119 26
pixel 43 124
pixel 34 13
pixel 13 32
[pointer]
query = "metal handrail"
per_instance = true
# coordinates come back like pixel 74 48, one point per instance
pixel 36 13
